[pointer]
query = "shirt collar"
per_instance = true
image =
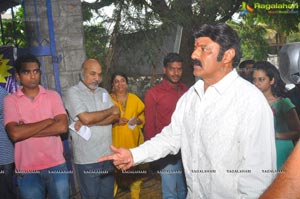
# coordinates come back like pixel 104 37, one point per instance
pixel 220 86
pixel 226 81
pixel 20 93
pixel 167 84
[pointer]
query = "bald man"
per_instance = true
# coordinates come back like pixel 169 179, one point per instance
pixel 91 106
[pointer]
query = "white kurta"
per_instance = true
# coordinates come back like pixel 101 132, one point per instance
pixel 227 140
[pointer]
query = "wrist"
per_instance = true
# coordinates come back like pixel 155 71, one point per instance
pixel 139 121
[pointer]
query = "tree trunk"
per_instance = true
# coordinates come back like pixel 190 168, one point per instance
pixel 186 50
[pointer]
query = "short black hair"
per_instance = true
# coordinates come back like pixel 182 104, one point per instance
pixel 113 76
pixel 225 36
pixel 246 62
pixel 27 58
pixel 172 57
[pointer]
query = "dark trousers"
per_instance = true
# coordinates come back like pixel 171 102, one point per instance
pixel 96 180
pixel 7 187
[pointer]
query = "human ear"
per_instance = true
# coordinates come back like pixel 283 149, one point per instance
pixel 18 76
pixel 228 56
pixel 164 69
pixel 272 81
pixel 18 79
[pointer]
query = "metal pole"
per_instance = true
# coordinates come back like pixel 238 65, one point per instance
pixel 2 31
pixel 55 61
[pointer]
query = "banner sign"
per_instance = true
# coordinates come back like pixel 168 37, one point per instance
pixel 7 71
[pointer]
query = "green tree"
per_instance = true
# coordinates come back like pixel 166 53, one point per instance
pixel 294 37
pixel 284 21
pixel 96 39
pixel 133 15
pixel 253 38
pixel 13 32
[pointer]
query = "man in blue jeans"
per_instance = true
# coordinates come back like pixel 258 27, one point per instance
pixel 7 189
pixel 34 118
pixel 160 103
pixel 90 105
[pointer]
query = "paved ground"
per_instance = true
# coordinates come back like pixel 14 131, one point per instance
pixel 151 189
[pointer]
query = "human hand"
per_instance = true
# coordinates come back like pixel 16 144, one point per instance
pixel 135 121
pixel 77 125
pixel 122 158
pixel 122 121
pixel 115 110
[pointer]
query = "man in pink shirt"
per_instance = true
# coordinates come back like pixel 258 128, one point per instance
pixel 160 103
pixel 34 118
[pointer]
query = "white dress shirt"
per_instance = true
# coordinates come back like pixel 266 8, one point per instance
pixel 227 140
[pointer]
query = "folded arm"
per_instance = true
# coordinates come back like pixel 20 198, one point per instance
pixel 48 127
pixel 20 131
pixel 104 117
pixel 59 126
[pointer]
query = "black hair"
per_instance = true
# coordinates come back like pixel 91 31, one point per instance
pixel 244 63
pixel 225 36
pixel 278 88
pixel 113 76
pixel 27 58
pixel 172 57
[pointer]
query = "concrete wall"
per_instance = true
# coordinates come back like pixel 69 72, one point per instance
pixel 68 28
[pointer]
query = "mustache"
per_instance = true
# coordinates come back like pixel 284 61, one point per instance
pixel 196 62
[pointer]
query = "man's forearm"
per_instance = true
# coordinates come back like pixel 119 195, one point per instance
pixel 94 118
pixel 20 131
pixel 60 126
pixel 108 120
pixel 286 184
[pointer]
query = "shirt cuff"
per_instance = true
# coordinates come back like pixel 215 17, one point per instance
pixel 138 155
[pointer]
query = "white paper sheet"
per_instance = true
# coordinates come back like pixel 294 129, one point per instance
pixel 84 131
pixel 131 126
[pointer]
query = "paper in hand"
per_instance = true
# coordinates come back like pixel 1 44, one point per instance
pixel 84 131
pixel 131 126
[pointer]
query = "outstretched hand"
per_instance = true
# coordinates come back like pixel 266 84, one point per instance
pixel 122 158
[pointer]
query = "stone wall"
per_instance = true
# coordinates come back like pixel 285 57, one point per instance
pixel 68 28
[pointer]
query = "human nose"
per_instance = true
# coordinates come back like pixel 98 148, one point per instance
pixel 255 82
pixel 177 71
pixel 32 75
pixel 195 54
pixel 98 78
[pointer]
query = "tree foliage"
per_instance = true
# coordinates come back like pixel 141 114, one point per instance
pixel 187 13
pixel 96 39
pixel 258 30
pixel 253 41
pixel 135 15
pixel 283 21
pixel 13 32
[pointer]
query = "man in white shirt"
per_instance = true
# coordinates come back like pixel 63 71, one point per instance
pixel 222 124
